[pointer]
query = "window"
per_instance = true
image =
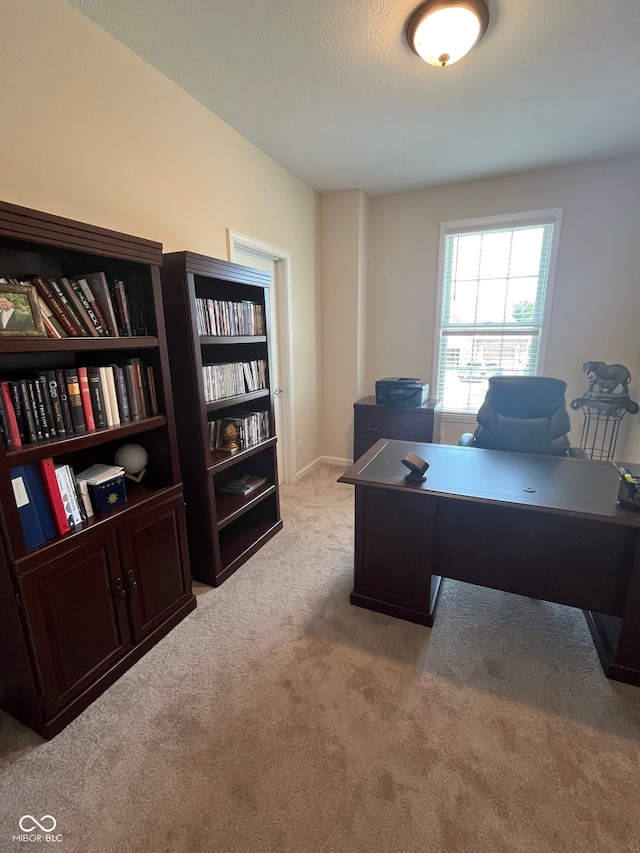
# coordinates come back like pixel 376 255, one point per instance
pixel 495 282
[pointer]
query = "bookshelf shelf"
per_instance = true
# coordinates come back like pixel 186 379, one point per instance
pixel 226 402
pixel 225 340
pixel 18 345
pixel 218 460
pixel 80 605
pixel 202 293
pixel 231 507
pixel 64 446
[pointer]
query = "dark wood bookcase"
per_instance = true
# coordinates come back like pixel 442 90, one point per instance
pixel 78 611
pixel 224 530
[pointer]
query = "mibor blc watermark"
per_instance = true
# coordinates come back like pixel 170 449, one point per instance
pixel 38 830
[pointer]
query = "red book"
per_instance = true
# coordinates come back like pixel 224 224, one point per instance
pixel 85 396
pixel 47 469
pixel 10 412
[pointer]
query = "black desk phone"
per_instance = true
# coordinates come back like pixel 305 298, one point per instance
pixel 417 466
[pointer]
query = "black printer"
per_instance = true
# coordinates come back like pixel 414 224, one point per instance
pixel 401 391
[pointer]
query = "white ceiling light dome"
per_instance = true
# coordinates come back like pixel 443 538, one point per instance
pixel 443 31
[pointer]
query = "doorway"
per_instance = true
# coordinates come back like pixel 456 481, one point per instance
pixel 253 253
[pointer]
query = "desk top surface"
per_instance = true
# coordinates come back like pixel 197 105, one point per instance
pixel 553 483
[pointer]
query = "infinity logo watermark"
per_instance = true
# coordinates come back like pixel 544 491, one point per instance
pixel 38 823
pixel 46 824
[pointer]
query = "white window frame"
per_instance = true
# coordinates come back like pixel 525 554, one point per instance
pixel 490 223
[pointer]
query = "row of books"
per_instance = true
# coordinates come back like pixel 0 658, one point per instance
pixel 234 378
pixel 250 428
pixel 88 305
pixel 220 317
pixel 51 499
pixel 72 401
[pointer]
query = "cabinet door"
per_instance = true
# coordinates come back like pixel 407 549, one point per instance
pixel 155 561
pixel 76 616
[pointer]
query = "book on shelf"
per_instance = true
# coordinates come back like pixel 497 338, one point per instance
pixel 62 290
pixel 69 495
pixel 45 395
pixel 243 485
pixel 85 397
pixel 99 286
pixel 16 401
pixel 4 426
pixel 27 411
pixel 52 325
pixel 121 393
pixel 39 411
pixel 119 299
pixel 77 300
pixel 100 473
pixel 83 489
pixel 111 398
pixel 64 401
pixel 96 392
pixel 91 306
pixel 31 500
pixel 56 404
pixel 48 472
pixel 74 398
pixel 9 419
pixel 49 295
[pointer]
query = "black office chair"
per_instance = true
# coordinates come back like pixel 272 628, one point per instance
pixel 526 414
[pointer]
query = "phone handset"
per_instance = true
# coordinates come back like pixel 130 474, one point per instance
pixel 417 467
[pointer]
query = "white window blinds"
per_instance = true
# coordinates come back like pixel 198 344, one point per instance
pixel 495 282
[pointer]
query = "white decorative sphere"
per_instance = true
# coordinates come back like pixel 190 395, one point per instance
pixel 132 457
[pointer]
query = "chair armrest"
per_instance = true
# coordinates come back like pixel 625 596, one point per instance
pixel 577 453
pixel 467 440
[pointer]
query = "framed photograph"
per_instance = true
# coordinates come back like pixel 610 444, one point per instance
pixel 19 311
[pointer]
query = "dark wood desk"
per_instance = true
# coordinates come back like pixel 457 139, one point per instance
pixel 542 526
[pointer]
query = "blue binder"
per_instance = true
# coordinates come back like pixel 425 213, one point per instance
pixel 41 500
pixel 33 505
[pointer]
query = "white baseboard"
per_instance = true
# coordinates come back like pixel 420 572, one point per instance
pixel 322 460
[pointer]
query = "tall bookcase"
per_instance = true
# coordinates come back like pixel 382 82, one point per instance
pixel 78 611
pixel 224 529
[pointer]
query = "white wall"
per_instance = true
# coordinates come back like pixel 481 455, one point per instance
pixel 91 132
pixel 596 301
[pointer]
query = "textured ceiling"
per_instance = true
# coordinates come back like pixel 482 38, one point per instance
pixel 331 91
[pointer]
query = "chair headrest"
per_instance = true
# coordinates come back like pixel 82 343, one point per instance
pixel 526 396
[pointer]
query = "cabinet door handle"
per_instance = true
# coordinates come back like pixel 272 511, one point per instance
pixel 120 593
pixel 373 427
pixel 133 585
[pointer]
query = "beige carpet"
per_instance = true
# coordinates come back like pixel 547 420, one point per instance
pixel 279 718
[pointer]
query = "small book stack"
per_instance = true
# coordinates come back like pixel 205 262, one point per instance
pixel 243 485
pixel 105 485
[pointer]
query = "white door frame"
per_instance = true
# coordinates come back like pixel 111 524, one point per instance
pixel 280 306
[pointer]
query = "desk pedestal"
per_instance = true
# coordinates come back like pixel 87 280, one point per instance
pixel 407 540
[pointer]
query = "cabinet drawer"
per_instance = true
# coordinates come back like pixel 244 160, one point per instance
pixel 372 424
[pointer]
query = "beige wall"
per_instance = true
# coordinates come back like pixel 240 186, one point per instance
pixel 596 299
pixel 92 132
pixel 343 253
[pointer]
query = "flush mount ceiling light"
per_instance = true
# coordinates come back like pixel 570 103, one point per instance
pixel 442 31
